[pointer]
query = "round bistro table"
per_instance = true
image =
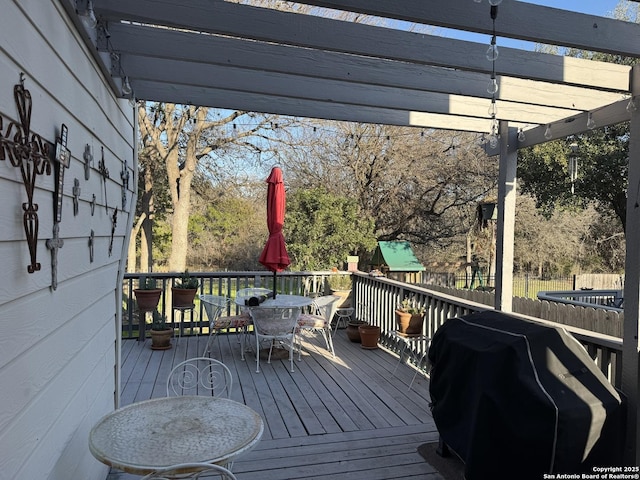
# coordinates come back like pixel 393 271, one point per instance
pixel 281 301
pixel 145 436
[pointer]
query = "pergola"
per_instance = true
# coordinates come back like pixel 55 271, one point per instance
pixel 227 55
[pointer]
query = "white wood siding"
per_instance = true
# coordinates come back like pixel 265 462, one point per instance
pixel 58 348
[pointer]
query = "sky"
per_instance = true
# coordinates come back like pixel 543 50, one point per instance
pixel 593 7
pixel 603 8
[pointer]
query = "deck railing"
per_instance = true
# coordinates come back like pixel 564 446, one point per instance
pixel 212 283
pixel 374 299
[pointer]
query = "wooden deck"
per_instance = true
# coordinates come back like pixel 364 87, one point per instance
pixel 345 417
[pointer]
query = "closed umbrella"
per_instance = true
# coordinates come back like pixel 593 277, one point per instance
pixel 274 256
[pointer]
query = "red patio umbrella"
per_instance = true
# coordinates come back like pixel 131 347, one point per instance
pixel 274 256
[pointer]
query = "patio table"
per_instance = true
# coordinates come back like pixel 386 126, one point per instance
pixel 280 301
pixel 145 436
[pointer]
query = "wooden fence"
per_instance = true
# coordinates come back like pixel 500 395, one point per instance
pixel 587 318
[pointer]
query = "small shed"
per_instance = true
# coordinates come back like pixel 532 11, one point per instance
pixel 397 261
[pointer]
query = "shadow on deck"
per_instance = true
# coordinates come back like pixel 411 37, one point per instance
pixel 345 417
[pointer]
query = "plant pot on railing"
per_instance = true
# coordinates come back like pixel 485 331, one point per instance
pixel 184 291
pixel 409 324
pixel 183 297
pixel 345 295
pixel 341 286
pixel 147 295
pixel 147 298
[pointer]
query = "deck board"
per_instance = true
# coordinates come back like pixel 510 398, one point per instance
pixel 348 417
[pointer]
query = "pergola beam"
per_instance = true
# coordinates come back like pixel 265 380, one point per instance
pixel 608 115
pixel 517 20
pixel 279 105
pixel 331 35
pixel 240 53
pixel 331 91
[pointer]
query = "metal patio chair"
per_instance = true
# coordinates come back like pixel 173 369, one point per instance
pixel 200 376
pixel 319 320
pixel 278 326
pixel 215 305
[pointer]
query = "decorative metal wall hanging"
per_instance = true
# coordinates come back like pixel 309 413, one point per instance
pixel 63 157
pixel 104 171
pixel 124 175
pixel 29 152
pixel 91 240
pixel 114 222
pixel 93 204
pixel 54 244
pixel 76 196
pixel 88 161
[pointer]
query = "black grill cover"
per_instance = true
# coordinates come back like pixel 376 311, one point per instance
pixel 517 399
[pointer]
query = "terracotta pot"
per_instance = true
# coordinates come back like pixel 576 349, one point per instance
pixel 345 295
pixel 352 331
pixel 409 323
pixel 369 336
pixel 183 297
pixel 161 339
pixel 147 299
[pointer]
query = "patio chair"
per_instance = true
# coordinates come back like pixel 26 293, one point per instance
pixel 244 316
pixel 200 376
pixel 278 326
pixel 215 305
pixel 319 320
pixel 196 471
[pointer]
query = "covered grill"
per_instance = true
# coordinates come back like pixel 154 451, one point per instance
pixel 517 399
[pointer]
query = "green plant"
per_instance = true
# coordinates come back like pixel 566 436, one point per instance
pixel 159 321
pixel 340 282
pixel 409 305
pixel 187 281
pixel 147 283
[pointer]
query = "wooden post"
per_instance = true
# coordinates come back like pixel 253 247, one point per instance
pixel 506 217
pixel 630 343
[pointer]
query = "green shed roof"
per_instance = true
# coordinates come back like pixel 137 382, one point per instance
pixel 397 256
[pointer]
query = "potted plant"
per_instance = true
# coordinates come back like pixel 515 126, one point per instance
pixel 369 336
pixel 340 285
pixel 410 317
pixel 147 294
pixel 353 332
pixel 160 332
pixel 184 291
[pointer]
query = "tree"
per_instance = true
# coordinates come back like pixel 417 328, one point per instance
pixel 421 186
pixel 602 159
pixel 602 156
pixel 226 231
pixel 321 229
pixel 220 144
pixel 554 244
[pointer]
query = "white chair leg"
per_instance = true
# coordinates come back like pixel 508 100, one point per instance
pixel 257 355
pixel 243 342
pixel 270 350
pixel 327 337
pixel 299 340
pixel 291 347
